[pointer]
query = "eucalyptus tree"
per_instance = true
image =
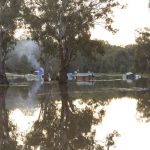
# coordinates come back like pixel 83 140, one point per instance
pixel 66 23
pixel 142 58
pixel 9 11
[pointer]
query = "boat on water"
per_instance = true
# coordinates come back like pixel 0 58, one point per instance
pixel 129 76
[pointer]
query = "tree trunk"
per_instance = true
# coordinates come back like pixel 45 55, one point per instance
pixel 3 78
pixel 46 74
pixel 47 77
pixel 63 64
pixel 63 75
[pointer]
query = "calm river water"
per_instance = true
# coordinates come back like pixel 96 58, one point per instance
pixel 102 115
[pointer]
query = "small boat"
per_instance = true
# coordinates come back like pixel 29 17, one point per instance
pixel 131 76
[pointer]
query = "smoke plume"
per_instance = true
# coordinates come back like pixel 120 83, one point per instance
pixel 30 49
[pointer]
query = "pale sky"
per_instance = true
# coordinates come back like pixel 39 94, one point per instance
pixel 136 15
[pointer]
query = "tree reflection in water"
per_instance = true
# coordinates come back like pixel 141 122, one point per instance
pixel 63 126
pixel 143 105
pixel 7 130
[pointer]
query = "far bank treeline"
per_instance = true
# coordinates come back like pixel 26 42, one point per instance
pixel 113 59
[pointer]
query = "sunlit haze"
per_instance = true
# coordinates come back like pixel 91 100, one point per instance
pixel 136 15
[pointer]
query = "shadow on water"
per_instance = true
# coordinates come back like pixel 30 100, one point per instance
pixel 68 114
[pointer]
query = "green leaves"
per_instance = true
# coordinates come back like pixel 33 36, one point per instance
pixel 9 13
pixel 66 24
pixel 76 16
pixel 142 61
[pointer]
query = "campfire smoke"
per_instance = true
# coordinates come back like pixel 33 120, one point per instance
pixel 30 49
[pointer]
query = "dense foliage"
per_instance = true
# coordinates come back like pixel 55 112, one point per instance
pixel 63 26
pixel 62 30
pixel 9 14
pixel 115 59
pixel 142 58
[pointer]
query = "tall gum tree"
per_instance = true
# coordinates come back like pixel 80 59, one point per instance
pixel 66 23
pixel 9 11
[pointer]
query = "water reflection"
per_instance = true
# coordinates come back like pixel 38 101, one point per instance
pixel 143 105
pixel 62 125
pixel 121 115
pixel 7 141
pixel 105 116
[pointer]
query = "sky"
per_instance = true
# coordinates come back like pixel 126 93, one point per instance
pixel 135 16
